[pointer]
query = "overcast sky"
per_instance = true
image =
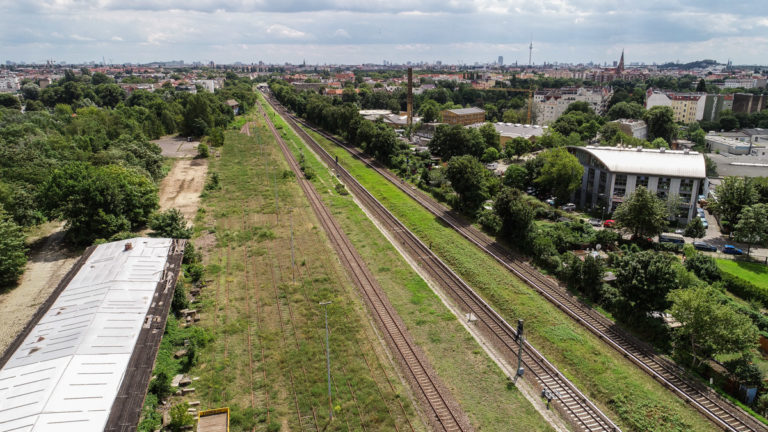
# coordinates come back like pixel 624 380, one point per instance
pixel 370 31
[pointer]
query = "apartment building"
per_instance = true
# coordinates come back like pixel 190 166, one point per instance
pixel 687 107
pixel 551 104
pixel 464 116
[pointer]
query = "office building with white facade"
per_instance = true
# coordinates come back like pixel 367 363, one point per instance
pixel 612 173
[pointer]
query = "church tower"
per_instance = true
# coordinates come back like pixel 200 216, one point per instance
pixel 620 68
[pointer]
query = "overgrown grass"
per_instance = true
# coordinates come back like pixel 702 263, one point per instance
pixel 478 384
pixel 246 229
pixel 626 393
pixel 755 273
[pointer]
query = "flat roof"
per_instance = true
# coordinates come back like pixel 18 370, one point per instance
pixel 516 129
pixel 463 111
pixel 66 373
pixel 655 162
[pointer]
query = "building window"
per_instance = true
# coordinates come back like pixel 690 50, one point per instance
pixel 601 183
pixel 663 188
pixel 641 181
pixel 590 180
pixel 620 185
pixel 686 189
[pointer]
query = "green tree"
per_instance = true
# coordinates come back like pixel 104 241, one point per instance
pixel 642 213
pixel 30 91
pixel 733 194
pixel 701 87
pixel 429 111
pixel 9 101
pixel 13 250
pixel 644 280
pixel 518 146
pixel 98 201
pixel 561 173
pixel 695 228
pixel 170 223
pixel 197 116
pixel 729 122
pixel 490 136
pixel 659 143
pixel 753 225
pixel 101 78
pixel 490 154
pixel 468 178
pixel 661 123
pixel 709 328
pixel 711 166
pixel 626 110
pixel 515 214
pixel 456 140
pixel 110 95
pixel 515 176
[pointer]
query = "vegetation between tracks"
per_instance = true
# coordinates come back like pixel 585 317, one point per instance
pixel 260 296
pixel 636 400
pixel 476 382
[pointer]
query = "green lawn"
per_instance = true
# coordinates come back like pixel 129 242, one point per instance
pixel 631 397
pixel 752 272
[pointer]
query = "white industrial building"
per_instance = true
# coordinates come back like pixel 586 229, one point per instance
pixel 612 173
pixel 66 372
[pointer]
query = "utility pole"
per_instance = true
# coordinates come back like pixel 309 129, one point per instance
pixel 328 359
pixel 520 340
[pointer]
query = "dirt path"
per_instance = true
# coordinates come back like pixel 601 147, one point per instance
pixel 182 186
pixel 49 260
pixel 48 263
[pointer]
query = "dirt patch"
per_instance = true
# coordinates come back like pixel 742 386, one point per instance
pixel 182 186
pixel 49 262
pixel 177 146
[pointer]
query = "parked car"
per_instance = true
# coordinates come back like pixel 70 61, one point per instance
pixel 569 207
pixel 609 223
pixel 595 222
pixel 700 211
pixel 699 245
pixel 550 201
pixel 732 250
pixel 704 222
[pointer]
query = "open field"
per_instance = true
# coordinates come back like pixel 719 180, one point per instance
pixel 755 273
pixel 269 265
pixel 473 378
pixel 635 400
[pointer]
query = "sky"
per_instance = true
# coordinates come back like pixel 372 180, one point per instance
pixel 371 31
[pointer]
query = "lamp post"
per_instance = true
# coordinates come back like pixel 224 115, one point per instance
pixel 328 359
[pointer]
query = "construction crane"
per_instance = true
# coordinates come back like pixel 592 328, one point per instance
pixel 509 89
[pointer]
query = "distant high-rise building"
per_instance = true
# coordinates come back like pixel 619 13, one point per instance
pixel 501 61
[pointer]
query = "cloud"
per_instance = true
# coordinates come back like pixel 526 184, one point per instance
pixel 341 33
pixel 398 30
pixel 281 31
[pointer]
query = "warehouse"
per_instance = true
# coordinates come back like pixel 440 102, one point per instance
pixel 93 343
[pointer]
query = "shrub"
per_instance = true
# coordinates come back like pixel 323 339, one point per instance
pixel 180 418
pixel 490 221
pixel 202 150
pixel 170 223
pixel 309 173
pixel 744 289
pixel 213 182
pixel 703 266
pixel 216 138
pixel 341 189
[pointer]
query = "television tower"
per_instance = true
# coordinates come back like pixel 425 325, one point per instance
pixel 530 52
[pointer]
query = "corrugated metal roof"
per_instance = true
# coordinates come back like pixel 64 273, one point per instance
pixel 654 162
pixel 67 372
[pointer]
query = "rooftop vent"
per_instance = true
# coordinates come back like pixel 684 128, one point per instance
pixel 639 148
pixel 128 246
pixel 661 150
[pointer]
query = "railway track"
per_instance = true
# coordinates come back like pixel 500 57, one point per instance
pixel 720 411
pixel 444 412
pixel 576 408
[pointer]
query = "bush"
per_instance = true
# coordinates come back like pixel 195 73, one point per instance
pixel 180 418
pixel 213 182
pixel 216 138
pixel 179 301
pixel 490 221
pixel 13 251
pixel 744 289
pixel 703 266
pixel 170 223
pixel 309 173
pixel 341 189
pixel 202 150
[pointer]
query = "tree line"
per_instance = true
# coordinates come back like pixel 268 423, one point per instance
pixel 80 152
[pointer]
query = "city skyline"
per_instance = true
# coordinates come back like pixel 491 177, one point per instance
pixel 343 32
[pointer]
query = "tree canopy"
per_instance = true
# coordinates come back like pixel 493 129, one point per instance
pixel 642 213
pixel 468 178
pixel 561 173
pixel 661 123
